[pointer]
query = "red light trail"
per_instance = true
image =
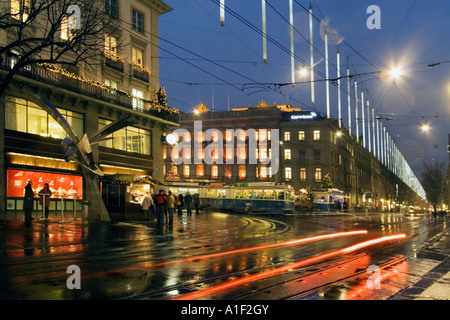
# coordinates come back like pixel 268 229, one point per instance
pixel 265 274
pixel 219 254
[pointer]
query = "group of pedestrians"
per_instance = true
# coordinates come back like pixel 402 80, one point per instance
pixel 28 201
pixel 163 206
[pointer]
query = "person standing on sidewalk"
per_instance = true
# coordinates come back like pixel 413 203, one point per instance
pixel 45 193
pixel 187 201
pixel 28 202
pixel 170 206
pixel 147 202
pixel 161 201
pixel 196 199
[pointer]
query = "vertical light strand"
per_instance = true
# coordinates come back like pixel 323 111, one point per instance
pixel 378 141
pixel 327 82
pixel 263 4
pixel 368 127
pixel 356 111
pixel 311 49
pixel 339 88
pixel 222 12
pixel 349 103
pixel 374 133
pixel 363 120
pixel 291 20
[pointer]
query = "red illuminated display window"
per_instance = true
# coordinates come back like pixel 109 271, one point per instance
pixel 62 185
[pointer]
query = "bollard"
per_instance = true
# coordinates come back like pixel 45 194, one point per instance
pixel 62 211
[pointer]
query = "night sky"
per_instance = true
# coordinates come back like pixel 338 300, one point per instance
pixel 223 67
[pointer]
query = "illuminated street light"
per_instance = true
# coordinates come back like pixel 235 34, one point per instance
pixel 303 71
pixel 396 73
pixel 425 127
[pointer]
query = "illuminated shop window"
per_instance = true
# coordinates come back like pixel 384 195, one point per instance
pixel 200 170
pixel 26 116
pixel 130 139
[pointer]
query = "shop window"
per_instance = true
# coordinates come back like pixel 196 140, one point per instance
pixel 228 171
pixel 200 170
pixel 62 185
pixel 26 116
pixel 130 139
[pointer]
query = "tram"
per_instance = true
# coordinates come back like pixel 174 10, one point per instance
pixel 260 198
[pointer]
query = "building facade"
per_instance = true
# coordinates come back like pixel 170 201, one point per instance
pixel 312 151
pixel 90 96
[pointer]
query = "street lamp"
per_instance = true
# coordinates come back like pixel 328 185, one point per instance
pixel 396 73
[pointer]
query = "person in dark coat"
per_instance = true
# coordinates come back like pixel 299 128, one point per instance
pixel 28 202
pixel 196 200
pixel 187 203
pixel 180 203
pixel 44 199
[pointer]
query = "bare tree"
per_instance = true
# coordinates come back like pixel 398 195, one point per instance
pixel 64 32
pixel 433 182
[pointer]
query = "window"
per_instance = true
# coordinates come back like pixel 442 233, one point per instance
pixel 228 171
pixel 20 8
pixel 263 172
pixel 288 173
pixel 137 56
pixel 138 21
pixel 301 135
pixel 287 154
pixel 25 116
pixel 318 174
pixel 110 45
pixel 113 85
pixel 302 154
pixel 111 8
pixel 130 139
pixel 316 135
pixel 302 174
pixel 214 171
pixel 242 172
pixel 138 104
pixel 287 135
pixel 186 170
pixel 316 154
pixel 200 170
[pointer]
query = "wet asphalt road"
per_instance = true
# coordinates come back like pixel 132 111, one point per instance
pixel 141 260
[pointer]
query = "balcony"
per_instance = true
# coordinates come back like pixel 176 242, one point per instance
pixel 59 79
pixel 140 74
pixel 113 63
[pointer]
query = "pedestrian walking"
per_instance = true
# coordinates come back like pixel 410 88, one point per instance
pixel 196 200
pixel 160 201
pixel 170 206
pixel 28 202
pixel 146 203
pixel 44 199
pixel 187 202
pixel 180 204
